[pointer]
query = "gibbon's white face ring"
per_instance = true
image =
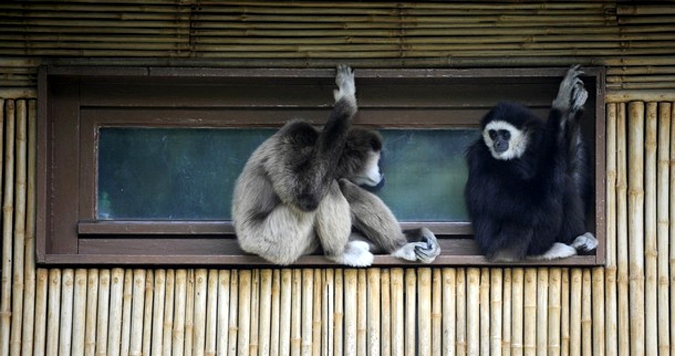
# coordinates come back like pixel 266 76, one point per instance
pixel 370 176
pixel 517 143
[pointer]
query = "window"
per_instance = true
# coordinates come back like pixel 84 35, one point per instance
pixel 136 164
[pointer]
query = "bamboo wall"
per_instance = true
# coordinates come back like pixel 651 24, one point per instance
pixel 620 309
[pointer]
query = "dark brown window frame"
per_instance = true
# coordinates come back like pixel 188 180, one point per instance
pixel 75 100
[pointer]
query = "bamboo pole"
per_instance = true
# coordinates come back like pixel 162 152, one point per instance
pixel 328 313
pixel 361 310
pixel 473 311
pixel 575 310
pixel 650 251
pixel 636 286
pixel 424 311
pixel 244 313
pixel 189 312
pixel 147 326
pixel 494 317
pixel 317 326
pixel 296 312
pixel 622 229
pixel 7 217
pixel 506 314
pixel 542 311
pixel 338 344
pixel 671 219
pixel 169 300
pixel 201 285
pixel 484 311
pixel 350 329
pixel 158 311
pixel 598 321
pixel 565 312
pixel 28 316
pixel 586 314
pixel 79 311
pixel 19 226
pixel 386 313
pixel 437 311
pixel 530 312
pixel 223 312
pixel 53 311
pixel 232 336
pixel 137 312
pixel 611 322
pixel 92 311
pixel 410 285
pixel 103 312
pixel 41 313
pixel 212 313
pixel 265 312
pixel 65 327
pixel 461 328
pixel 517 278
pixel 449 310
pixel 307 311
pixel 285 313
pixel 397 316
pixel 373 311
pixel 662 192
pixel 180 302
pixel 553 311
pixel 116 305
pixel 127 295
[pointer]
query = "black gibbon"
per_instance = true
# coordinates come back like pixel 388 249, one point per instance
pixel 529 184
pixel 299 192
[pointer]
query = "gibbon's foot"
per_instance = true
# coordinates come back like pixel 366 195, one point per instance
pixel 345 82
pixel 558 250
pixel 585 243
pixel 571 94
pixel 426 250
pixel 356 254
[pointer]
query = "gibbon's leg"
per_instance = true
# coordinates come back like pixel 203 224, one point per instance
pixel 333 226
pixel 376 221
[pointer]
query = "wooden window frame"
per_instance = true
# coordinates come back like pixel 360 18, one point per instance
pixel 74 101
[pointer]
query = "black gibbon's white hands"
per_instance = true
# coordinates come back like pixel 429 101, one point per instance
pixel 299 192
pixel 529 184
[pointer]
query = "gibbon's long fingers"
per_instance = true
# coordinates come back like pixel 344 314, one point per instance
pixel 564 99
pixel 428 249
pixel 344 79
pixel 579 97
pixel 585 242
pixel 558 250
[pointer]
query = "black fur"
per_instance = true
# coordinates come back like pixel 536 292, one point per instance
pixel 521 207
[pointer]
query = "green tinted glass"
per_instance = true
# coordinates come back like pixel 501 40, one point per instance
pixel 189 174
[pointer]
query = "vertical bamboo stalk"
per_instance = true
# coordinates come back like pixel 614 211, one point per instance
pixel 449 311
pixel 424 311
pixel 373 311
pixel 265 311
pixel 147 313
pixel 484 306
pixel 296 312
pixel 553 312
pixel 671 219
pixel 285 313
pixel 473 311
pixel 178 333
pixel 506 313
pixel 91 312
pixel 436 312
pixel 53 311
pixel 137 312
pixel 127 296
pixel 307 309
pixel 158 312
pixel 530 312
pixel 211 313
pixel 611 321
pixel 223 312
pixel 201 284
pixel 103 309
pixel 28 317
pixel 410 308
pixel 41 286
pixel 316 312
pixel 244 312
pixel 598 292
pixel 189 312
pixel 350 280
pixel 7 217
pixel 575 311
pixel 361 307
pixel 461 328
pixel 397 316
pixel 636 227
pixel 116 301
pixel 542 310
pixel 662 192
pixel 338 345
pixel 517 277
pixel 170 297
pixel 586 314
pixel 651 330
pixel 622 229
pixel 565 312
pixel 66 303
pixel 233 313
pixel 327 318
pixel 79 312
pixel 495 290
pixel 19 227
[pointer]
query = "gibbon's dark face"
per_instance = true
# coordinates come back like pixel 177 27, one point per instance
pixel 369 173
pixel 504 140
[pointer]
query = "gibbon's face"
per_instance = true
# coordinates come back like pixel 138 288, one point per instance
pixel 369 174
pixel 504 140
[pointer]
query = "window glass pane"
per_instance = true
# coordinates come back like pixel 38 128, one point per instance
pixel 188 174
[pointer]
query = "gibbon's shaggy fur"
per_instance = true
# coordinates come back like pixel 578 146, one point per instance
pixel 299 191
pixel 529 185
